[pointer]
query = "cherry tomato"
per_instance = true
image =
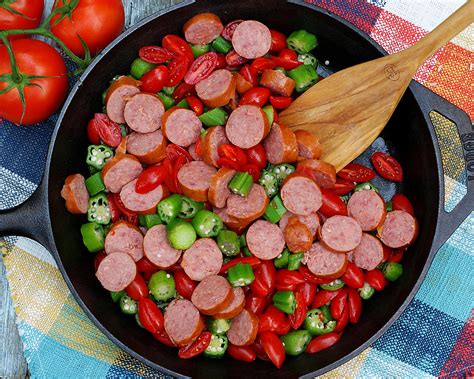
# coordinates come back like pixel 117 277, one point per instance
pixel 252 261
pixel 332 204
pixel 121 206
pixel 109 131
pixel 324 297
pixel 99 257
pixel 375 279
pixel 387 166
pixel 177 46
pixel 280 102
pixel 355 172
pixel 164 338
pixel 255 96
pixel 342 187
pixel 96 22
pixel 233 59
pixel 150 179
pixel 201 68
pixel 183 90
pixel 322 342
pixel 198 148
pixel 401 203
pixel 234 153
pixel 155 54
pixel 287 64
pixel 278 41
pixel 252 170
pixel 343 320
pixel 242 353
pixel 288 54
pixel 273 320
pixel 144 265
pixel 355 305
pixel 396 255
pixel 153 81
pixel 338 303
pixel 257 346
pixel 168 164
pixel 26 15
pixel 113 208
pixel 265 279
pixel 180 162
pixel 273 348
pixel 256 155
pixel 184 284
pixel 197 347
pixel 221 61
pixel 287 280
pixel 353 277
pixel 195 105
pixel 297 318
pixel 93 132
pixel 310 277
pixel 174 151
pixel 255 304
pixel 137 289
pixel 229 29
pixel 177 69
pixel 249 74
pixel 150 315
pixel 308 291
pixel 261 64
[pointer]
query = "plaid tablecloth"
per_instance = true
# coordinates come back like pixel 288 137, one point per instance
pixel 433 337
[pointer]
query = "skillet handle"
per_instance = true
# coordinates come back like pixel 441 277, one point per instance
pixel 30 219
pixel 448 222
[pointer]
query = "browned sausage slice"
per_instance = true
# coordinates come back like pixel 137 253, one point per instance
pixel 75 193
pixel 116 271
pixel 143 113
pixel 367 208
pixel 212 295
pixel 308 145
pixel 369 253
pixel 124 237
pixel 120 170
pixel 149 148
pixel 232 223
pixel 183 322
pixel 280 145
pixel 248 209
pixel 311 221
pixel 400 229
pixel 202 259
pixel 235 307
pixel 265 240
pixel 247 126
pixel 340 234
pixel 324 263
pixel 217 89
pixel 218 191
pixel 277 82
pixel 323 173
pixel 195 179
pixel 157 248
pixel 243 329
pixel 301 195
pixel 181 126
pixel 202 28
pixel 215 136
pixel 119 92
pixel 142 203
pixel 251 39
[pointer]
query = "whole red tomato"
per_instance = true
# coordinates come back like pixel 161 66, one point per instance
pixel 26 14
pixel 97 22
pixel 43 96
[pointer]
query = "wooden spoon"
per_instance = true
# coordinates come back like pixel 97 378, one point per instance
pixel 349 109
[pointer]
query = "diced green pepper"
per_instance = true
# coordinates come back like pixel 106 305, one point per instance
pixel 221 45
pixel 275 210
pixel 304 76
pixel 181 234
pixel 366 186
pixel 97 155
pixel 302 41
pixel 294 261
pixel 207 223
pixel 285 301
pixel 140 67
pixel 366 291
pixel 240 275
pixel 218 326
pixel 269 182
pixel 183 104
pixel 282 260
pixel 93 236
pixel 167 101
pixel 296 341
pixel 270 112
pixel 392 271
pixel 217 346
pixel 189 208
pixel 199 50
pixel 94 184
pixel 128 305
pixel 162 286
pixel 213 117
pixel 334 285
pixel 169 208
pixel 308 59
pixel 228 242
pixel 282 171
pixel 317 322
pixel 116 295
pixel 241 184
pixel 149 221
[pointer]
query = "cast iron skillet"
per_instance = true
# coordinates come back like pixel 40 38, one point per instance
pixel 409 135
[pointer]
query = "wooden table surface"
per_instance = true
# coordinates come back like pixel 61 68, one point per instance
pixel 12 361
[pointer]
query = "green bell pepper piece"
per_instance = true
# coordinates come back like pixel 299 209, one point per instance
pixel 221 45
pixel 140 67
pixel 214 117
pixel 199 50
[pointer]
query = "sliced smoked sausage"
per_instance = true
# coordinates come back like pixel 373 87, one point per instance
pixel 309 146
pixel 149 148
pixel 369 253
pixel 251 39
pixel 217 89
pixel 157 248
pixel 75 193
pixel 142 203
pixel 218 191
pixel 340 234
pixel 265 240
pixel 212 295
pixel 367 208
pixel 183 322
pixel 193 153
pixel 298 237
pixel 400 229
pixel 301 195
pixel 280 145
pixel 247 126
pixel 277 82
pixel 235 307
pixel 215 136
pixel 120 170
pixel 202 28
pixel 312 221
pixel 116 271
pixel 195 179
pixel 243 329
pixel 231 222
pixel 324 263
pixel 248 209
pixel 202 259
pixel 143 113
pixel 323 173
pixel 124 237
pixel 119 92
pixel 181 126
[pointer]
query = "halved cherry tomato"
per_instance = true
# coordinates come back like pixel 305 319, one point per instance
pixel 195 105
pixel 387 166
pixel 113 208
pixel 280 102
pixel 255 96
pixel 343 320
pixel 324 297
pixel 355 172
pixel 229 29
pixel 332 204
pixel 353 277
pixel 273 320
pixel 308 291
pixel 257 346
pixel 278 41
pixel 342 187
pixel 387 252
pixel 99 257
pixel 250 74
pixel 177 46
pixel 154 54
pixel 375 279
pixel 297 318
pixel 121 206
pixel 265 279
pixel 183 90
pixel 401 203
pixel 354 302
pixel 310 277
pixel 108 130
pixel 221 61
pixel 137 289
pixel 262 63
pixel 273 348
pixel 252 261
pixel 287 280
pixel 197 347
pixel 228 163
pixel 397 255
pixel 164 338
pixel 93 132
pixel 150 179
pixel 184 284
pixel 242 353
pixel 169 169
pixel 201 68
pixel 198 148
pixel 256 155
pixel 288 54
pixel 233 59
pixel 180 162
pixel 255 304
pixel 177 69
pixel 234 153
pixel 144 265
pixel 154 80
pixel 174 151
pixel 150 315
pixel 322 342
pixel 287 64
pixel 252 170
pixel 338 303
